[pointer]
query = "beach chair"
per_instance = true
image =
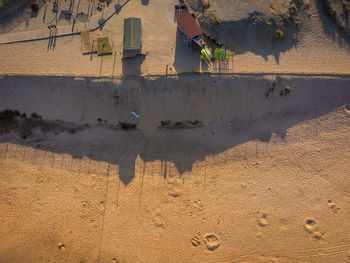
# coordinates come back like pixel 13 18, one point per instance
pixel 217 53
pixel 205 55
pixel 228 54
pixel 208 52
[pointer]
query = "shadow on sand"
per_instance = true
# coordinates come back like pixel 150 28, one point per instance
pixel 186 58
pixel 331 28
pixel 233 110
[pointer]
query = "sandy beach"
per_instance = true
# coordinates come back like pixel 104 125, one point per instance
pixel 320 48
pixel 237 160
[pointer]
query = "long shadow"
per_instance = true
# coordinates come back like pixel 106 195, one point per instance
pixel 331 28
pixel 132 66
pixel 233 111
pixel 254 35
pixel 186 58
pixel 10 19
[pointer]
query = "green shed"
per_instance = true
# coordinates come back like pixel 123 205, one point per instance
pixel 132 37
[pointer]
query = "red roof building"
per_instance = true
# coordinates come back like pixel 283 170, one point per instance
pixel 188 25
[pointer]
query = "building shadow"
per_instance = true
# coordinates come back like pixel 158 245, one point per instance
pixel 238 106
pixel 132 66
pixel 187 59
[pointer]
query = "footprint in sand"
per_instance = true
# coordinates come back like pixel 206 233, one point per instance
pixel 158 221
pixel 333 206
pixel 61 246
pixel 195 240
pixel 311 228
pixel 262 221
pixel 211 241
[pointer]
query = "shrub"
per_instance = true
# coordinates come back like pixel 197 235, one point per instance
pixel 8 114
pixel 279 34
pixel 292 9
pixel 205 4
pixel 165 123
pixel 127 125
pixel 216 20
pixel 285 91
pixel 34 115
pixel 194 122
pixel 347 10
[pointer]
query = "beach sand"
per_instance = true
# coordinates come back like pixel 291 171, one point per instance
pixel 282 200
pixel 319 48
pixel 222 167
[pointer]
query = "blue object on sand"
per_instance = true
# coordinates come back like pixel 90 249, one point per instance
pixel 133 113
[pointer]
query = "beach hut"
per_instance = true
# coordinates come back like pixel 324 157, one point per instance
pixel 132 37
pixel 190 32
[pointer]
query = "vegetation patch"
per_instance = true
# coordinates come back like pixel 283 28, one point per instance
pixel 8 115
pixel 127 125
pixel 180 124
pixel 339 12
pixel 205 4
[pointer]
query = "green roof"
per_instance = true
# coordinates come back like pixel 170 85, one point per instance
pixel 132 33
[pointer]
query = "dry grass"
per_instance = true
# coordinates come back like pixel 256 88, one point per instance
pixel 279 34
pixel 205 4
pixel 3 3
pixel 216 20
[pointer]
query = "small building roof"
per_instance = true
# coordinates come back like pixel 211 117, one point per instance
pixel 103 46
pixel 189 25
pixel 132 33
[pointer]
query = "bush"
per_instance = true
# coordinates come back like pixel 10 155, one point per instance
pixel 292 9
pixel 279 34
pixel 35 115
pixel 165 123
pixel 205 4
pixel 8 114
pixel 285 91
pixel 216 20
pixel 127 125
